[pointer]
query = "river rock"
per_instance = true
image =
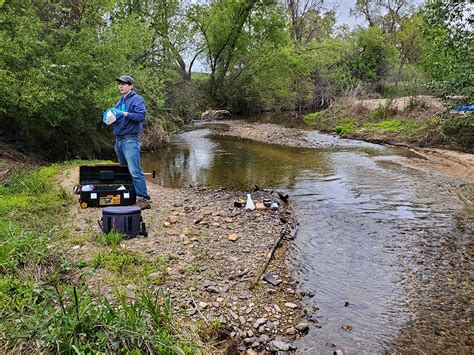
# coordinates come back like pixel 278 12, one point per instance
pixel 131 288
pixel 270 325
pixel 291 305
pixel 264 338
pixel 233 314
pixel 212 289
pixel 259 322
pixel 302 327
pixel 271 279
pixel 290 331
pixel 277 345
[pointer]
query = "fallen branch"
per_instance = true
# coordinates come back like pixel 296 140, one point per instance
pixel 259 274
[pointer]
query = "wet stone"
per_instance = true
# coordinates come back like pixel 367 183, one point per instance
pixel 276 345
pixel 302 327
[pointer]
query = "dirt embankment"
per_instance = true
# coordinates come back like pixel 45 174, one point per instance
pixel 445 162
pixel 402 103
pixel 210 254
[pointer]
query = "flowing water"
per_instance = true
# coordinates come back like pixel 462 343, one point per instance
pixel 382 248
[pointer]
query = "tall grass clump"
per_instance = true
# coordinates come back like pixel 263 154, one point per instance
pixel 70 320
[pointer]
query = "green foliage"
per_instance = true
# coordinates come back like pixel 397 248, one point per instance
pixel 408 127
pixel 113 238
pixel 372 57
pixel 348 126
pixel 461 131
pixel 57 99
pixel 312 118
pixel 448 44
pixel 59 61
pixel 18 247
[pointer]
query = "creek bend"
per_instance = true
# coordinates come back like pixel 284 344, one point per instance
pixel 384 249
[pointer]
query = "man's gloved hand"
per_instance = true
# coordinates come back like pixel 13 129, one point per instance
pixel 117 112
pixel 104 116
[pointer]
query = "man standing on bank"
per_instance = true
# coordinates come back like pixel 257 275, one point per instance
pixel 130 112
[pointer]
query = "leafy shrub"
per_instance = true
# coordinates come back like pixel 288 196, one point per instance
pixel 461 130
pixel 312 118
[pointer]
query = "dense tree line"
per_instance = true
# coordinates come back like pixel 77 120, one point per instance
pixel 59 59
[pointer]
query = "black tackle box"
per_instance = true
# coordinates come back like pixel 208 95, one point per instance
pixel 106 185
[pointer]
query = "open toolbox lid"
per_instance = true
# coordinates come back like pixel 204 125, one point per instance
pixel 104 175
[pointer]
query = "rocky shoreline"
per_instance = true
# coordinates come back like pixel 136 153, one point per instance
pixel 212 253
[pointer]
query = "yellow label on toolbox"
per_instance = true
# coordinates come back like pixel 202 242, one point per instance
pixel 110 200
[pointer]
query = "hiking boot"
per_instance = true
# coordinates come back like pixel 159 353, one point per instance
pixel 143 203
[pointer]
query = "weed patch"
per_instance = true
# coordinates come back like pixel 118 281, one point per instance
pixel 407 127
pixel 348 126
pixel 61 320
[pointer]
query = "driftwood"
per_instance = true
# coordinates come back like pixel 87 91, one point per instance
pixel 288 230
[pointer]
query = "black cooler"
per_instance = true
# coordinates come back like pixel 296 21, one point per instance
pixel 124 219
pixel 101 185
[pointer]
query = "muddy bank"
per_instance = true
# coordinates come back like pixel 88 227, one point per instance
pixel 445 162
pixel 206 254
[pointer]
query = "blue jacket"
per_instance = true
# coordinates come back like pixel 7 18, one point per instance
pixel 133 123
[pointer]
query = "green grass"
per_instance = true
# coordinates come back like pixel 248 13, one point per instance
pixel 112 238
pixel 312 118
pixel 40 311
pixel 70 320
pixel 348 126
pixel 406 127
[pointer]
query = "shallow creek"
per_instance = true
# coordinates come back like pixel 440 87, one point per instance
pixel 383 251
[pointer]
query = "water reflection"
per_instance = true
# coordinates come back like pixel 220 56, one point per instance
pixel 194 158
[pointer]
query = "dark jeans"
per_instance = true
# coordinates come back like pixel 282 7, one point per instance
pixel 128 153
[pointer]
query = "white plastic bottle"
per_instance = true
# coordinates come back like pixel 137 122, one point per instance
pixel 249 205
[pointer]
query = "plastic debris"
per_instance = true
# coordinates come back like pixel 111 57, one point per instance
pixel 249 205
